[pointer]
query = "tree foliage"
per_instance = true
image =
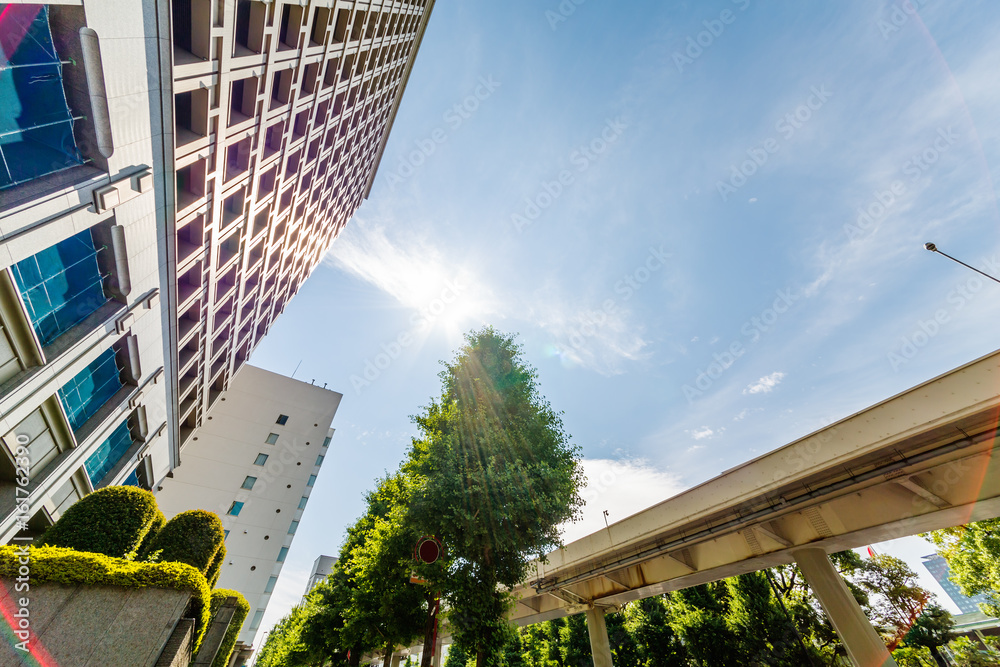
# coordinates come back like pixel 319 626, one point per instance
pixel 973 555
pixel 495 476
pixel 898 599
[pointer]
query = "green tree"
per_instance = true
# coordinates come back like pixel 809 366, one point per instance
pixel 968 654
pixel 899 600
pixel 913 656
pixel 457 657
pixel 931 630
pixel 973 555
pixel 284 646
pixel 574 642
pixel 495 477
pixel 648 622
pixel 698 617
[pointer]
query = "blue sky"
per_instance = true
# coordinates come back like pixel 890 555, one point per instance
pixel 642 191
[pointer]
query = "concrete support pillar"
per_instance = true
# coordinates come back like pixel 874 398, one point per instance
pixel 600 647
pixel 438 650
pixel 396 657
pixel 864 646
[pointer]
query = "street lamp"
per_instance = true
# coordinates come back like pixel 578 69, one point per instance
pixel 933 248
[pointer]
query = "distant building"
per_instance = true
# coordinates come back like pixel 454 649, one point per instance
pixel 254 463
pixel 321 570
pixel 938 567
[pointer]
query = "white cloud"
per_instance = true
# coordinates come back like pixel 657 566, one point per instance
pixel 765 385
pixel 416 274
pixel 622 488
pixel 702 433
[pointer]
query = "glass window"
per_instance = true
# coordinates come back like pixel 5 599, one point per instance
pixel 132 480
pixel 249 482
pixel 282 554
pixel 312 480
pixel 261 460
pixel 282 419
pixel 37 124
pixel 292 528
pixel 319 460
pixel 90 389
pixel 108 454
pixel 272 438
pixel 61 285
pixel 257 618
pixel 235 508
pixel 270 584
pixel 326 442
pixel 226 534
pixel 302 502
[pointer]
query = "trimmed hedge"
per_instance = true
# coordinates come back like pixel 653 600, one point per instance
pixel 215 569
pixel 193 537
pixel 74 568
pixel 113 521
pixel 243 609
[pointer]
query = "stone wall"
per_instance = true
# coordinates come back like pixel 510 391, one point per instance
pixel 93 626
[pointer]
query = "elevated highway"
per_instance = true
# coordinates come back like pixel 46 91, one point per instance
pixel 919 461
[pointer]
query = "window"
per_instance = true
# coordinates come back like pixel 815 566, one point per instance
pixel 319 460
pixel 272 438
pixel 270 584
pixel 261 460
pixel 326 443
pixel 39 128
pixel 303 501
pixel 282 419
pixel 257 618
pixel 249 482
pixel 292 528
pixel 108 454
pixel 235 508
pixel 225 534
pixel 90 389
pixel 282 554
pixel 312 480
pixel 61 285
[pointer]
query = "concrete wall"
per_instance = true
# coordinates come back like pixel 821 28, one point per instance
pixel 94 626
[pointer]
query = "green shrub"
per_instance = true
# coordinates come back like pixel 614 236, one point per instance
pixel 113 521
pixel 193 537
pixel 154 530
pixel 74 568
pixel 215 569
pixel 229 641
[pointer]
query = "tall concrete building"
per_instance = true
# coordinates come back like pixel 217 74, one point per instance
pixel 83 400
pixel 255 463
pixel 170 173
pixel 281 113
pixel 938 567
pixel 321 569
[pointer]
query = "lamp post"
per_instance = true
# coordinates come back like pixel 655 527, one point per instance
pixel 934 248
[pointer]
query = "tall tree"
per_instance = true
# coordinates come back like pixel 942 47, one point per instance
pixel 932 629
pixel 648 621
pixel 899 600
pixel 973 555
pixel 496 476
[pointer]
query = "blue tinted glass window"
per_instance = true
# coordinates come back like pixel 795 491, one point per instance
pixel 270 584
pixel 108 454
pixel 302 502
pixel 293 527
pixel 282 554
pixel 235 508
pixel 326 442
pixel 91 388
pixel 249 482
pixel 61 285
pixel 132 480
pixel 312 480
pixel 319 460
pixel 260 460
pixel 36 125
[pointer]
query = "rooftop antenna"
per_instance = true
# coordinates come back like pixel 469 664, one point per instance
pixel 934 248
pixel 296 368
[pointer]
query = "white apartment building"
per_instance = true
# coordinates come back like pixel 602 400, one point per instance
pixel 254 463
